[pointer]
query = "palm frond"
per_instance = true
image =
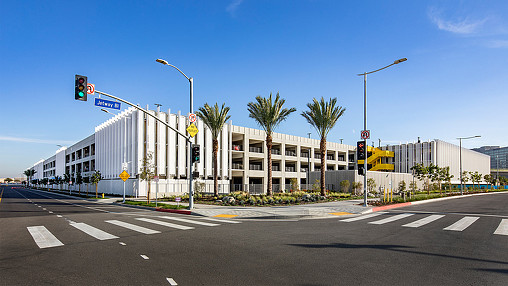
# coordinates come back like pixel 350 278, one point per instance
pixel 214 118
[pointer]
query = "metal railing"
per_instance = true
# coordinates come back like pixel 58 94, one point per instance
pixel 256 149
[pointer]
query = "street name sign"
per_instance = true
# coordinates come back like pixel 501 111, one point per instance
pixel 124 175
pixel 107 103
pixel 192 129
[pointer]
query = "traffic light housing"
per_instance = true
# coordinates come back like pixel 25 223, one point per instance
pixel 195 153
pixel 360 150
pixel 361 170
pixel 80 88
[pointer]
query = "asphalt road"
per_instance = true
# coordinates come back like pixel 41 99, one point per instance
pixel 269 252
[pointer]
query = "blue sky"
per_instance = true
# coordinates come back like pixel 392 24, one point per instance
pixel 453 84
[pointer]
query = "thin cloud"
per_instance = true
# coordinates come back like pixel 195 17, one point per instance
pixel 498 44
pixel 31 140
pixel 463 26
pixel 233 7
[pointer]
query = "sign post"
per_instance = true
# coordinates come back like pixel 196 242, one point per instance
pixel 124 176
pixel 156 179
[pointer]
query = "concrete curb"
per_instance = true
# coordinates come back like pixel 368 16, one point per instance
pixel 375 209
pixel 186 212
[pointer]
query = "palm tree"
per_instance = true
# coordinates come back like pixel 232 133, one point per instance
pixel 323 116
pixel 269 114
pixel 29 173
pixel 214 119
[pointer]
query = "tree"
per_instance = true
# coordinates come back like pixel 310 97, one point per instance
pixel 476 177
pixel 96 178
pixel 86 180
pixel 344 186
pixel 465 177
pixel 433 174
pixel 402 186
pixel 8 180
pixel 29 174
pixel 491 180
pixel 323 116
pixel 147 171
pixel 422 173
pixel 413 186
pixel 214 119
pixel 269 114
pixel 79 181
pixel 357 186
pixel 58 181
pixel 447 177
pixel 371 185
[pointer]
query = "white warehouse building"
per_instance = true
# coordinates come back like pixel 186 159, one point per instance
pixel 123 141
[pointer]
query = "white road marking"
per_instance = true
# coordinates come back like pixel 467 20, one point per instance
pixel 462 224
pixel 189 221
pixel 50 212
pixel 391 218
pixel 168 224
pixel 94 232
pixel 133 227
pixel 58 215
pixel 43 209
pixel 502 229
pixel 144 256
pixel 43 237
pixel 171 281
pixel 221 220
pixel 362 217
pixel 122 243
pixel 424 221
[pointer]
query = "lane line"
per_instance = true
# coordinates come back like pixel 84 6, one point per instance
pixel 122 243
pixel 190 221
pixel 454 213
pixel 43 237
pixel 58 215
pixel 133 227
pixel 363 217
pixel 462 224
pixel 50 212
pixel 391 218
pixel 171 281
pixel 94 232
pixel 424 221
pixel 144 257
pixel 168 224
pixel 502 229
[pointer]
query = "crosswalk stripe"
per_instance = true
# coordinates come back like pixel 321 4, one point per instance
pixel 189 221
pixel 168 224
pixel 363 217
pixel 462 224
pixel 92 231
pixel 133 227
pixel 424 221
pixel 221 220
pixel 391 218
pixel 43 237
pixel 502 229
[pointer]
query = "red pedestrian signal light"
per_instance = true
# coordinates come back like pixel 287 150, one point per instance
pixel 80 88
pixel 360 150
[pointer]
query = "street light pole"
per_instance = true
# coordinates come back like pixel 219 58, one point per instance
pixel 460 160
pixel 365 123
pixel 189 143
pixel 308 163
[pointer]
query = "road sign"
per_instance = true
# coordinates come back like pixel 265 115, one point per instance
pixel 192 117
pixel 156 179
pixel 192 129
pixel 107 103
pixel 178 199
pixel 365 134
pixel 124 175
pixel 91 88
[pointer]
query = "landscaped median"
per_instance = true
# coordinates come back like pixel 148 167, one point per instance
pixel 427 198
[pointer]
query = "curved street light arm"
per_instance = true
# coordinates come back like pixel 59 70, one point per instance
pixel 168 64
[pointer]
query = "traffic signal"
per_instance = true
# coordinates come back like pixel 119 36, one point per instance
pixel 361 170
pixel 195 153
pixel 80 88
pixel 360 150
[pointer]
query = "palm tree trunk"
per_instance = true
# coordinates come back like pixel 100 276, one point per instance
pixel 215 169
pixel 269 149
pixel 322 150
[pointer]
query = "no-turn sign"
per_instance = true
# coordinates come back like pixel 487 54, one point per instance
pixel 192 117
pixel 91 88
pixel 365 134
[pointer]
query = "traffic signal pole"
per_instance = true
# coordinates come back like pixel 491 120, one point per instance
pixel 187 138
